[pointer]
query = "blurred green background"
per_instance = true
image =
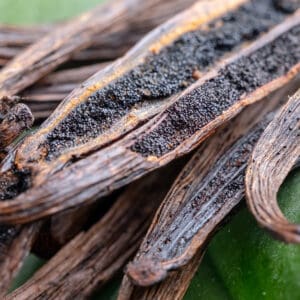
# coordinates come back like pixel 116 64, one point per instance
pixel 242 262
pixel 37 11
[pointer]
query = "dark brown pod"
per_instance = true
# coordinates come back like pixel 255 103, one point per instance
pixel 188 118
pixel 98 254
pixel 277 151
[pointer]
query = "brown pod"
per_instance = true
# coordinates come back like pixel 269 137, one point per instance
pixel 99 253
pixel 273 157
pixel 256 71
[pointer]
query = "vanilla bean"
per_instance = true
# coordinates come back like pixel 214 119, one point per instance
pixel 99 253
pixel 273 158
pixel 255 72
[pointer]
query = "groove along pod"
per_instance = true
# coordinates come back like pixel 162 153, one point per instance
pixel 277 151
pixel 189 117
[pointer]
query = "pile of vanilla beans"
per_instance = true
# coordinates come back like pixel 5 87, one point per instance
pixel 151 121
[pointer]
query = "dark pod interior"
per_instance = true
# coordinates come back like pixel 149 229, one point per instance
pixel 164 74
pixel 211 99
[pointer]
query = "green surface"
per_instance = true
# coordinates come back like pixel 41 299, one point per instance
pixel 37 11
pixel 242 262
pixel 30 266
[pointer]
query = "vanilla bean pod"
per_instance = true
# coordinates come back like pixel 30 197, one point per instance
pixel 273 158
pixel 99 253
pixel 248 76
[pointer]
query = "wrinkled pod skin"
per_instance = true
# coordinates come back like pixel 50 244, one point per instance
pixel 276 153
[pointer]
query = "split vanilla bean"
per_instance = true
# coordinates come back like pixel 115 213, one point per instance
pixel 248 76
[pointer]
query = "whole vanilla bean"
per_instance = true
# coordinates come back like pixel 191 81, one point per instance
pixel 188 118
pixel 273 158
